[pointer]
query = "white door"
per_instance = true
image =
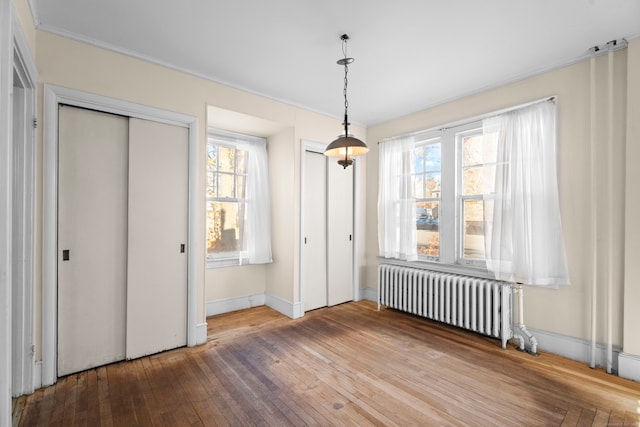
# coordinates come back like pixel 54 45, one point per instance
pixel 315 232
pixel 339 234
pixel 157 264
pixel 92 238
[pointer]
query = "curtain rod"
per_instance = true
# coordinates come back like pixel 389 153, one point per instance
pixel 471 119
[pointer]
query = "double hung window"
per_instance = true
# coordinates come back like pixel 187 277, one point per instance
pixel 453 176
pixel 479 195
pixel 238 209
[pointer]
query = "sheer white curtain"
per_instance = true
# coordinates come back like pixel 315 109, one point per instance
pixel 256 226
pixel 396 199
pixel 524 241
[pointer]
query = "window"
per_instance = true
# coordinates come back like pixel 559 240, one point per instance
pixel 238 210
pixel 453 178
pixel 480 195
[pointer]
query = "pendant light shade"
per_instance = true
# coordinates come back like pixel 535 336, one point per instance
pixel 345 146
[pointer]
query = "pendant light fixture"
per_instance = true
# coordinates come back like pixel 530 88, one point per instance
pixel 345 146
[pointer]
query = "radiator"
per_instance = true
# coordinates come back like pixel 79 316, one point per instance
pixel 479 305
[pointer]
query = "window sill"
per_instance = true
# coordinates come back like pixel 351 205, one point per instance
pixel 222 262
pixel 436 266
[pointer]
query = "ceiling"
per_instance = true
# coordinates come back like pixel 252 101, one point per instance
pixel 409 54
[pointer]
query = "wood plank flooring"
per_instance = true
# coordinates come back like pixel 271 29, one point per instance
pixel 345 365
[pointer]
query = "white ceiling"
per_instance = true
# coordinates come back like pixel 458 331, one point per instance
pixel 409 54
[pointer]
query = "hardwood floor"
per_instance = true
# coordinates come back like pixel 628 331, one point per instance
pixel 345 365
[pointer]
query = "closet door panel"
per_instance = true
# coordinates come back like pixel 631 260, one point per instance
pixel 157 261
pixel 92 238
pixel 340 234
pixel 315 232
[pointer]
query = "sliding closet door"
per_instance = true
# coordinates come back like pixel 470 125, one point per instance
pixel 315 231
pixel 92 238
pixel 157 263
pixel 340 234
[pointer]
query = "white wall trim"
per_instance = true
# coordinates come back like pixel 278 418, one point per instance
pixel 574 348
pixel 53 96
pixel 629 366
pixel 356 227
pixel 292 310
pixel 23 208
pixel 6 73
pixel 369 294
pixel 287 308
pixel 201 333
pixel 234 304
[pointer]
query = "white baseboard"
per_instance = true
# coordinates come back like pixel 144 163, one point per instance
pixel 574 348
pixel 292 310
pixel 369 294
pixel 234 304
pixel 629 366
pixel 201 333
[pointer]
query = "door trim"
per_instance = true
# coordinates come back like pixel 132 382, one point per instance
pixel 53 96
pixel 24 223
pixel 319 147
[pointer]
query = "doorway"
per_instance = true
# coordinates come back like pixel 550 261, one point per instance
pixel 327 231
pixel 54 96
pixel 121 253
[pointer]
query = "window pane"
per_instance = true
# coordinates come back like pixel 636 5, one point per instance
pixel 226 158
pixel 427 224
pixel 212 190
pixel 240 186
pixel 223 229
pixel 478 149
pixel 427 157
pixel 432 185
pixel 212 156
pixel 226 186
pixel 427 186
pixel 479 179
pixel 419 186
pixel 241 161
pixel 473 223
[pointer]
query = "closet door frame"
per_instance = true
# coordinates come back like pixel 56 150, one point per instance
pixel 319 147
pixel 55 95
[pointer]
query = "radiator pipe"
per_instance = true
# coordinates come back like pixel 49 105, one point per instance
pixel 610 230
pixel 533 342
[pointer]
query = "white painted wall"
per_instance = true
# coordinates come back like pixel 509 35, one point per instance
pixel 565 311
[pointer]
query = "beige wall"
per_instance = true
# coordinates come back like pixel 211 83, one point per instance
pixel 565 311
pixel 632 219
